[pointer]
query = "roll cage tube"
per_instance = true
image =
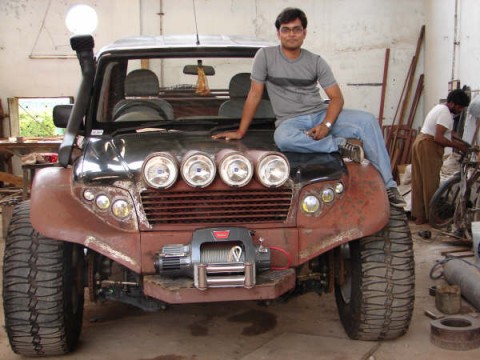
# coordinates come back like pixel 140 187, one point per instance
pixel 83 45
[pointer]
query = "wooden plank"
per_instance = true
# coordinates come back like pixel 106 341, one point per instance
pixel 461 254
pixel 450 251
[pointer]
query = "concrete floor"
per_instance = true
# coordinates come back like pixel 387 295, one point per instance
pixel 306 327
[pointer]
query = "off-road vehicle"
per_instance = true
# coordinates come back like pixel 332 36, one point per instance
pixel 146 208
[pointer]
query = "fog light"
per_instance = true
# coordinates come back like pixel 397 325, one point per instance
pixel 310 204
pixel 88 195
pixel 328 196
pixel 198 170
pixel 236 170
pixel 102 202
pixel 273 170
pixel 160 170
pixel 339 188
pixel 121 209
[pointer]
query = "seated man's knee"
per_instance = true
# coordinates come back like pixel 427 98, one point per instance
pixel 283 139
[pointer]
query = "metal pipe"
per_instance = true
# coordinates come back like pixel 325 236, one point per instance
pixel 221 268
pixel 225 281
pixel 467 276
pixel 456 42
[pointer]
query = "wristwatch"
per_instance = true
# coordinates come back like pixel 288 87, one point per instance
pixel 328 124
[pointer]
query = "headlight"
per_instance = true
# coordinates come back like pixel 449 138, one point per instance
pixel 121 209
pixel 236 169
pixel 198 170
pixel 327 195
pixel 339 188
pixel 310 204
pixel 102 202
pixel 160 170
pixel 273 170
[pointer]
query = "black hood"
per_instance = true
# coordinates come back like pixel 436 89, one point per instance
pixel 108 159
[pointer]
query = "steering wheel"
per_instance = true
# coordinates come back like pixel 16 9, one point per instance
pixel 150 105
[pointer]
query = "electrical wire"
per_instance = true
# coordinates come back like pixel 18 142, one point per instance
pixel 287 255
pixel 440 263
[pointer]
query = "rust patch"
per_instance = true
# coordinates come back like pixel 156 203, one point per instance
pixel 107 249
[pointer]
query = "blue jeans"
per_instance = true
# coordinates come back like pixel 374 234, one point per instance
pixel 291 135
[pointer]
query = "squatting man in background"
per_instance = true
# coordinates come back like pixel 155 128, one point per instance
pixel 427 151
pixel 305 123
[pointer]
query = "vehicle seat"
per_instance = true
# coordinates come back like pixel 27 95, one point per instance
pixel 238 90
pixel 141 97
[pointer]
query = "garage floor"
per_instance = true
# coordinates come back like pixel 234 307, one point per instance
pixel 305 327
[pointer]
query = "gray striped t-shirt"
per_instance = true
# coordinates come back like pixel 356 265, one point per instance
pixel 292 85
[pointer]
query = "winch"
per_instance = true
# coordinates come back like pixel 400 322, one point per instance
pixel 216 257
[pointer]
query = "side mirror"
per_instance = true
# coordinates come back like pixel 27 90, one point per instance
pixel 61 114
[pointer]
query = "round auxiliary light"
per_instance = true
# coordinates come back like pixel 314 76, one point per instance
pixel 328 195
pixel 102 202
pixel 236 170
pixel 273 170
pixel 310 204
pixel 88 195
pixel 339 188
pixel 160 170
pixel 121 209
pixel 198 170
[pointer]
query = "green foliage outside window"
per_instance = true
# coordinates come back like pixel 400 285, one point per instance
pixel 38 124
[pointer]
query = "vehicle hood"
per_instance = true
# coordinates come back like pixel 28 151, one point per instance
pixel 107 159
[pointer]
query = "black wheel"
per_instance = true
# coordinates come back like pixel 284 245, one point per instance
pixel 442 205
pixel 43 291
pixel 375 287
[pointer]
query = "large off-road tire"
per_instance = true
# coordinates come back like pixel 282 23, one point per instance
pixel 374 288
pixel 43 291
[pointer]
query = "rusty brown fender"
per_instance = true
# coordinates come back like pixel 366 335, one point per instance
pixel 363 211
pixel 57 214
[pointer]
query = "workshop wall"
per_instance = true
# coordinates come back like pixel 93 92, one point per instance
pixel 351 35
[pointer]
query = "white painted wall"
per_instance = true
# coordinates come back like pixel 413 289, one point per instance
pixel 351 34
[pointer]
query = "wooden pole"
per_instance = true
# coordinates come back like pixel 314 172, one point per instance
pixel 412 75
pixel 384 86
pixel 416 99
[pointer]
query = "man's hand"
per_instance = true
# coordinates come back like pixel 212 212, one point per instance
pixel 228 135
pixel 318 132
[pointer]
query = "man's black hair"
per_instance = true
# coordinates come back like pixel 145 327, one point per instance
pixel 290 14
pixel 458 97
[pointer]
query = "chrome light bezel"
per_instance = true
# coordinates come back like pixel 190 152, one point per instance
pixel 158 160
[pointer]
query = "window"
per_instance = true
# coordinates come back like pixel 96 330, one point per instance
pixel 33 117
